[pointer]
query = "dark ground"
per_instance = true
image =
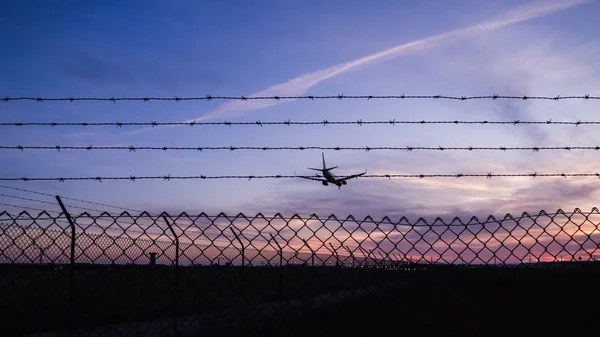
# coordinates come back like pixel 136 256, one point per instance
pixel 473 302
pixel 437 302
pixel 39 296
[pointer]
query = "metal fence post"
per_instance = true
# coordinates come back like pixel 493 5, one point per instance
pixel 241 245
pixel 337 256
pixel 280 266
pixel 366 254
pixel 312 270
pixel 351 255
pixel 243 278
pixel 176 290
pixel 71 266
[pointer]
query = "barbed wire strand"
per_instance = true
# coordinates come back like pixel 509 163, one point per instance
pixel 49 203
pixel 26 207
pixel 132 148
pixel 309 97
pixel 70 206
pixel 359 122
pixel 488 175
pixel 67 198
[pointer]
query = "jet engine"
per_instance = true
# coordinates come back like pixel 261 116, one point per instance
pixel 324 183
pixel 343 182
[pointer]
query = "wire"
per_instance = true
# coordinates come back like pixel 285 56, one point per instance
pixel 277 98
pixel 488 175
pixel 47 202
pixel 359 122
pixel 25 207
pixel 132 148
pixel 67 198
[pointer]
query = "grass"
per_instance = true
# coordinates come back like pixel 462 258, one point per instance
pixel 437 302
pixel 38 297
pixel 473 302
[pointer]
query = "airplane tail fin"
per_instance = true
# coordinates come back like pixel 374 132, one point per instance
pixel 325 168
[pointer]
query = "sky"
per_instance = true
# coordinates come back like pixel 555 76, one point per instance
pixel 190 49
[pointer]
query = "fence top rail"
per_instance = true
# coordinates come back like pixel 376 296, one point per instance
pixel 208 219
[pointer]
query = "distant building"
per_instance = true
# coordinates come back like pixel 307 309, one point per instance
pixel 152 259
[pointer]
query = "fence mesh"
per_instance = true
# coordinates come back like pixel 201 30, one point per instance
pixel 180 275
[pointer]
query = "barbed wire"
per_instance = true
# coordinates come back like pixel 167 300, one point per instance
pixel 132 148
pixel 308 97
pixel 488 175
pixel 48 203
pixel 25 207
pixel 359 122
pixel 67 198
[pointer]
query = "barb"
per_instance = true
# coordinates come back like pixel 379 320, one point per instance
pixel 311 97
pixel 250 177
pixel 306 123
pixel 132 148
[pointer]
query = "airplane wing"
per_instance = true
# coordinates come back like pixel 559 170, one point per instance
pixel 321 170
pixel 352 176
pixel 312 178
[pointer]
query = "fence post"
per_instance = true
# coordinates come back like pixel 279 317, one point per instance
pixel 280 266
pixel 351 255
pixel 312 270
pixel 382 257
pixel 312 253
pixel 241 245
pixel 243 279
pixel 176 300
pixel 364 251
pixel 337 257
pixel 71 266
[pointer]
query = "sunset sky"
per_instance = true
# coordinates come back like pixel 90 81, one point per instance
pixel 286 48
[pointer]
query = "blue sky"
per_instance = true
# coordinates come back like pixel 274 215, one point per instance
pixel 191 48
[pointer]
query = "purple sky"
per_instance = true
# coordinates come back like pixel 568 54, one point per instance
pixel 190 48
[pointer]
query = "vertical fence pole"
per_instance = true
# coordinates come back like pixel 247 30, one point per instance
pixel 243 278
pixel 383 258
pixel 71 266
pixel 280 266
pixel 337 257
pixel 241 245
pixel 375 259
pixel 351 255
pixel 399 260
pixel 312 269
pixel 176 299
pixel 312 253
pixel 365 254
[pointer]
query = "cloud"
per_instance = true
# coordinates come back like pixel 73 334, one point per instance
pixel 302 84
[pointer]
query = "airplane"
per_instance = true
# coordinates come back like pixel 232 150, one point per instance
pixel 327 177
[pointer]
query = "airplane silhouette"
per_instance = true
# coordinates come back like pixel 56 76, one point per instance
pixel 327 177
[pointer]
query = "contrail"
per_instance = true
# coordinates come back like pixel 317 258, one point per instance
pixel 302 84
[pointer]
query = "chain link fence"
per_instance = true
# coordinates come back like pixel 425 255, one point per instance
pixel 184 275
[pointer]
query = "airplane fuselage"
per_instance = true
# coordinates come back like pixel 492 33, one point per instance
pixel 328 177
pixel 332 179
